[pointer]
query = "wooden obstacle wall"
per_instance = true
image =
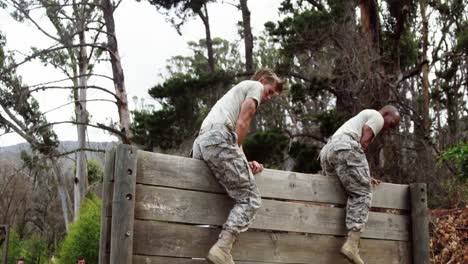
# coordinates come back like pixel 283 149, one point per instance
pixel 166 209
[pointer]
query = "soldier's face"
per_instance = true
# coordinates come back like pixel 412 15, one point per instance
pixel 268 92
pixel 391 122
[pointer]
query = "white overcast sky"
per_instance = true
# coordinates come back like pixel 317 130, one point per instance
pixel 145 41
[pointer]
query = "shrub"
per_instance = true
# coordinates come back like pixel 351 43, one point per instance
pixel 83 236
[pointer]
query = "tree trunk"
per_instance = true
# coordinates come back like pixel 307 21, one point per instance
pixel 248 37
pixel 425 68
pixel 62 190
pixel 117 71
pixel 370 24
pixel 81 178
pixel 209 42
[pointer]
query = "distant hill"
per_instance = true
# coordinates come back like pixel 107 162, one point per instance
pixel 13 152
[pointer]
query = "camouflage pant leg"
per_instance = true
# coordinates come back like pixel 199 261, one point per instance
pixel 351 168
pixel 228 164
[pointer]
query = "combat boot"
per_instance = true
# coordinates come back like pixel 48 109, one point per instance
pixel 351 247
pixel 220 252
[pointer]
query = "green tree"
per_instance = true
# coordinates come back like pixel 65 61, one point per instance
pixel 14 247
pixel 95 172
pixel 266 147
pixel 186 95
pixel 83 236
pixel 32 250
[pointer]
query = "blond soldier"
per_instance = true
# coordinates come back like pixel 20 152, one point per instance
pixel 219 144
pixel 343 156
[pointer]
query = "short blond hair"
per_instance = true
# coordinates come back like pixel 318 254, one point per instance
pixel 270 77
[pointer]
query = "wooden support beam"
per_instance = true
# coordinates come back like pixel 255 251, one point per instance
pixel 123 205
pixel 420 223
pixel 106 199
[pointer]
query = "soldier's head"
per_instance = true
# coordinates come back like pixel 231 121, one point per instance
pixel 272 84
pixel 20 261
pixel 80 260
pixel 391 117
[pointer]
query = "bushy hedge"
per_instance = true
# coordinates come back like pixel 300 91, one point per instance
pixel 33 249
pixel 83 236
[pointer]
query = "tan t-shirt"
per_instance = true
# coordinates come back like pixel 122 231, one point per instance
pixel 226 111
pixel 369 117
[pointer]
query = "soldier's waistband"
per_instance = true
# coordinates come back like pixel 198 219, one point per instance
pixel 210 127
pixel 346 136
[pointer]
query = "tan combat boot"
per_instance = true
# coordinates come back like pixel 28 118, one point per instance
pixel 220 252
pixel 351 247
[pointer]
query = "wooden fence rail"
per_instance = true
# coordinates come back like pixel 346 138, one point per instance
pixel 166 209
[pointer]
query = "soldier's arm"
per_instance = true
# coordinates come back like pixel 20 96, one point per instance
pixel 366 137
pixel 248 108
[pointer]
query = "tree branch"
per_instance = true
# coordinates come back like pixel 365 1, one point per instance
pixel 318 5
pixel 78 101
pixel 75 88
pixel 70 78
pixel 291 135
pixel 98 125
pixel 410 73
pixel 78 150
pixel 50 49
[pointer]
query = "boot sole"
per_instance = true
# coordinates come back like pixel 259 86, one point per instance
pixel 212 258
pixel 348 255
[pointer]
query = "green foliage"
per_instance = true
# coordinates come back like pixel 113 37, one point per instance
pixel 186 95
pixel 95 171
pixel 17 99
pixel 178 11
pixel 32 250
pixel 83 236
pixel 14 247
pixel 458 155
pixel 266 147
pixel 35 250
pixel 330 121
pixel 462 38
pixel 305 157
pixel 449 193
pixel 226 54
pixel 452 192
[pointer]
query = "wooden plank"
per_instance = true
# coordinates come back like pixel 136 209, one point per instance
pixel 185 173
pixel 175 205
pixel 138 259
pixel 420 223
pixel 123 205
pixel 155 238
pixel 106 199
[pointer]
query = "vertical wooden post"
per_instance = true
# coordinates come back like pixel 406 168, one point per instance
pixel 123 205
pixel 104 240
pixel 420 223
pixel 5 245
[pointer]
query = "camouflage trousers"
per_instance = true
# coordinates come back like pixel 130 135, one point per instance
pixel 343 157
pixel 219 149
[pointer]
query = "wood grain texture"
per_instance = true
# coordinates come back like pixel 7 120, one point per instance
pixel 138 259
pixel 185 173
pixel 155 238
pixel 123 205
pixel 175 205
pixel 104 238
pixel 420 223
